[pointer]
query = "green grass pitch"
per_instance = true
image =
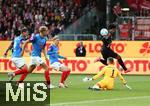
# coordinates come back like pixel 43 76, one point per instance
pixel 78 95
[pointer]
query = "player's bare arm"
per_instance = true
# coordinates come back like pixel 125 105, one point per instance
pixel 44 53
pixel 9 48
pixel 24 47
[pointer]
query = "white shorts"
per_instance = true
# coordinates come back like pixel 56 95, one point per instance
pixel 35 60
pixel 57 66
pixel 19 62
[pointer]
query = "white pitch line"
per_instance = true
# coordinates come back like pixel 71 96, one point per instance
pixel 102 100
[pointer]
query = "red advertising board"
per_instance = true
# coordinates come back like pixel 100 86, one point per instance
pixel 86 65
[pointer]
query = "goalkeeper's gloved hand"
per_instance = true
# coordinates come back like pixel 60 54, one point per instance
pixel 87 79
pixel 127 86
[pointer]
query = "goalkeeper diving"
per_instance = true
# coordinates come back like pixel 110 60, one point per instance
pixel 110 73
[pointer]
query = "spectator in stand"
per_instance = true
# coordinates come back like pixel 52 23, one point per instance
pixel 14 14
pixel 117 10
pixel 80 50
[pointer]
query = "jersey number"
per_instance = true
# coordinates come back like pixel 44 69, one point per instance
pixel 112 74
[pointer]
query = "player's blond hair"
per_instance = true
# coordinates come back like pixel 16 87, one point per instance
pixel 42 29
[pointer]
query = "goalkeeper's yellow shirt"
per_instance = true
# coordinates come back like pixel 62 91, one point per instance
pixel 110 72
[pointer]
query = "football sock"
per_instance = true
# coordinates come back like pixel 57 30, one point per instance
pixel 63 77
pixel 67 74
pixel 122 64
pixel 21 71
pixel 18 72
pixel 23 76
pixel 47 76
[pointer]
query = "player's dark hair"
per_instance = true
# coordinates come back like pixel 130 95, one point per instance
pixel 111 26
pixel 24 29
pixel 110 59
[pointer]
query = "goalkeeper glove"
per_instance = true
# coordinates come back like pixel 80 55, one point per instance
pixel 86 79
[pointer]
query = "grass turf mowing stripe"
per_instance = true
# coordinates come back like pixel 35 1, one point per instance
pixel 103 100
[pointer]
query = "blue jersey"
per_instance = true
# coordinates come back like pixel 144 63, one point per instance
pixel 53 54
pixel 17 46
pixel 38 43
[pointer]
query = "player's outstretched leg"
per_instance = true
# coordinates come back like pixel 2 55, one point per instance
pixel 47 76
pixel 65 73
pixel 23 70
pixel 120 61
pixel 102 60
pixel 95 88
pixel 64 76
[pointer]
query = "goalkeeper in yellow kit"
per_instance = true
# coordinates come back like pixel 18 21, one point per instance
pixel 110 72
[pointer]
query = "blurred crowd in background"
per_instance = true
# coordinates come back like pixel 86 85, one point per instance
pixel 58 15
pixel 55 14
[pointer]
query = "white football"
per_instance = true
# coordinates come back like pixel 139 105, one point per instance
pixel 104 31
pixel 85 79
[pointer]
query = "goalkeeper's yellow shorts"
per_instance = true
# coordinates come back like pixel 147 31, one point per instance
pixel 106 84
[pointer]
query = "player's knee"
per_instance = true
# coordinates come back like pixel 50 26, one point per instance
pixel 31 68
pixel 44 66
pixel 24 67
pixel 65 69
pixel 111 88
pixel 68 69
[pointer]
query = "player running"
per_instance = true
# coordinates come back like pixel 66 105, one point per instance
pixel 106 51
pixel 55 64
pixel 10 47
pixel 110 73
pixel 38 43
pixel 17 57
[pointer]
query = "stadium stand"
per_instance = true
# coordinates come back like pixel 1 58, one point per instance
pixel 72 18
pixel 56 14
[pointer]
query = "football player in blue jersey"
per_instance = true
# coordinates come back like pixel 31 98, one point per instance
pixel 17 56
pixel 55 64
pixel 38 46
